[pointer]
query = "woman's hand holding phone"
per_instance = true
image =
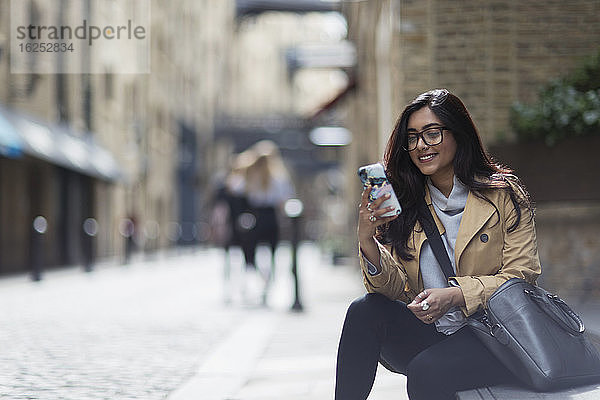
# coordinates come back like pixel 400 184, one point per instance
pixel 379 205
pixel 369 218
pixel 370 214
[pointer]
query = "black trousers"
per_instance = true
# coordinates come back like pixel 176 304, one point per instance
pixel 437 366
pixel 265 230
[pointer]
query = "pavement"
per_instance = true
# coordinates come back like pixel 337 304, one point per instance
pixel 134 331
pixel 278 353
pixel 281 354
pixel 171 328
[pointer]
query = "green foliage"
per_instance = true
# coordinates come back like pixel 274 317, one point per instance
pixel 567 107
pixel 587 76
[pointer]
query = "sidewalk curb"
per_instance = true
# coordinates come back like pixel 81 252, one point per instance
pixel 229 366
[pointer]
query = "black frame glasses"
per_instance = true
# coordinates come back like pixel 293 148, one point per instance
pixel 422 135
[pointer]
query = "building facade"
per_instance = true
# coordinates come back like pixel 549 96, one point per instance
pixel 218 81
pixel 156 128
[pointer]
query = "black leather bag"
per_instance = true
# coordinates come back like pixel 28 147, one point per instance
pixel 535 334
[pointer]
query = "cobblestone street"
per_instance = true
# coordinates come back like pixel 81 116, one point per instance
pixel 120 332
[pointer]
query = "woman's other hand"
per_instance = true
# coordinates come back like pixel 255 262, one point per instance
pixel 431 304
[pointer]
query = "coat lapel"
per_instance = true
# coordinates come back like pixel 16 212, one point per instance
pixel 477 213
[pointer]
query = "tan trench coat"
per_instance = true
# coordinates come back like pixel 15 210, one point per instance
pixel 486 254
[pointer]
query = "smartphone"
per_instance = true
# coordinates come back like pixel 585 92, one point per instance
pixel 374 174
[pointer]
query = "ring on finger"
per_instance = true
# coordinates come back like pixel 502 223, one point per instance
pixel 369 207
pixel 425 305
pixel 429 317
pixel 372 218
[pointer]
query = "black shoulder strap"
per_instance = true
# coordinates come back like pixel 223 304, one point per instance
pixel 435 240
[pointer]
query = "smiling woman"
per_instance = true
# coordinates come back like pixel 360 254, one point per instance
pixel 413 320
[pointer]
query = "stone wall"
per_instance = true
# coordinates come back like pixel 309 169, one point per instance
pixel 567 171
pixel 569 247
pixel 563 183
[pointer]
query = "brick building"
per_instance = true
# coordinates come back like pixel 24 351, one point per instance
pixel 489 53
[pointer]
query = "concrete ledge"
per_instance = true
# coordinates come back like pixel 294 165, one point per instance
pixel 591 392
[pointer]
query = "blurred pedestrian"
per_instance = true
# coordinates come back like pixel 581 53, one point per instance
pixel 268 186
pixel 413 319
pixel 230 214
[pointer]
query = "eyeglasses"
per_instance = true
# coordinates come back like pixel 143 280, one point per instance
pixel 431 137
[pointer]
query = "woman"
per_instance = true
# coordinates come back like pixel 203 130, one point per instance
pixel 413 319
pixel 268 186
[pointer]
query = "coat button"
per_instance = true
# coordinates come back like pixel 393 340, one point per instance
pixel 484 237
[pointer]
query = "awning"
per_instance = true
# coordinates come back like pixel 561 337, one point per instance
pixel 61 146
pixel 11 144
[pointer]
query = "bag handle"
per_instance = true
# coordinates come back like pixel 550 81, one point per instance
pixel 541 300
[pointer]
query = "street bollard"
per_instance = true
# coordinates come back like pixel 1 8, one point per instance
pixel 39 228
pixel 90 230
pixel 127 231
pixel 293 209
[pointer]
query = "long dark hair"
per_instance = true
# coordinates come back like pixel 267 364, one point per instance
pixel 472 166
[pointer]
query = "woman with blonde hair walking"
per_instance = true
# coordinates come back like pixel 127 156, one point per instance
pixel 268 186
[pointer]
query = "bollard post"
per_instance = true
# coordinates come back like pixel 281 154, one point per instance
pixel 90 230
pixel 127 231
pixel 293 209
pixel 39 228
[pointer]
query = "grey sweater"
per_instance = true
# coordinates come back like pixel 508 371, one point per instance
pixel 450 211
